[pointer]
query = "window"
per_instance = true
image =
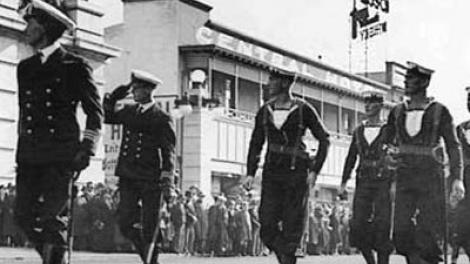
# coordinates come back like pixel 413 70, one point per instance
pixel 347 121
pixel 248 96
pixel 223 88
pixel 330 117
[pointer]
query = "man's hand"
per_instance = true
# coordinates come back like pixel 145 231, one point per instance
pixel 121 92
pixel 81 160
pixel 247 182
pixel 458 190
pixel 342 193
pixel 169 175
pixel 311 179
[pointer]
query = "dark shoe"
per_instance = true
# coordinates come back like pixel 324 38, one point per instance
pixel 383 258
pixel 279 257
pixel 289 259
pixel 368 256
pixel 416 259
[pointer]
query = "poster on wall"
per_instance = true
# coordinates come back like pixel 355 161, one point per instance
pixel 112 142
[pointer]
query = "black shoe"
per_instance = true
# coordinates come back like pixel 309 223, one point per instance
pixel 279 257
pixel 289 259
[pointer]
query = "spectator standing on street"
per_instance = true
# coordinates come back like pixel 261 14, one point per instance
pixel 191 221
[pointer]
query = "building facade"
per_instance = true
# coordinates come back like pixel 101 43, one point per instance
pixel 175 39
pixel 88 41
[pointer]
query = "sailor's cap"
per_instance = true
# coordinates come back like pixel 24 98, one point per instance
pixel 52 8
pixel 415 68
pixel 145 77
pixel 373 95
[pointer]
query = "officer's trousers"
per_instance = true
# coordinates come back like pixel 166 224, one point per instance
pixel 284 201
pixel 137 212
pixel 418 214
pixel 370 224
pixel 41 206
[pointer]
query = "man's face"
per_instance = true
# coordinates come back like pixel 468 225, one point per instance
pixel 142 93
pixel 373 108
pixel 414 84
pixel 34 31
pixel 274 86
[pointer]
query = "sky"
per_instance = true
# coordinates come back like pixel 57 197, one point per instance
pixel 434 33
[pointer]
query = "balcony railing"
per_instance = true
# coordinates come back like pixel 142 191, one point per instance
pixel 234 130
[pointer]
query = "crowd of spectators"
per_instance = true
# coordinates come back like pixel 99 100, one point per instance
pixel 191 224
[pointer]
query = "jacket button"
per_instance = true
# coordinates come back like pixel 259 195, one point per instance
pixel 48 90
pixel 139 142
pixel 48 104
pixel 29 118
pixel 124 153
pixel 127 139
pixel 57 80
pixel 29 131
pixel 28 92
pixel 138 148
pixel 28 105
pixel 140 134
pixel 128 132
pixel 125 146
pixel 49 117
pixel 52 130
pixel 137 155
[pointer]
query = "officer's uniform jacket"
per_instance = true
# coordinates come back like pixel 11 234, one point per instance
pixel 371 155
pixel 49 93
pixel 148 143
pixel 433 119
pixel 283 143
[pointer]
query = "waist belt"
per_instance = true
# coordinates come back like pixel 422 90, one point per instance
pixel 281 149
pixel 370 163
pixel 421 151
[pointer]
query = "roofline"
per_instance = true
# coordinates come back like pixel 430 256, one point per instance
pixel 198 4
pixel 214 49
pixel 224 29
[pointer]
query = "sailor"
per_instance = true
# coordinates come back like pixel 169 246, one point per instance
pixel 288 171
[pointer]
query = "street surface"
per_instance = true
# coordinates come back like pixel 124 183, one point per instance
pixel 28 256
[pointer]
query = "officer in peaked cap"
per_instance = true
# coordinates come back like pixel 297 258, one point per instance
pixel 288 170
pixel 146 159
pixel 417 126
pixel 51 84
pixel 370 225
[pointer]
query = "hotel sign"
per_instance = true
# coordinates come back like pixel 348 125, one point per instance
pixel 207 36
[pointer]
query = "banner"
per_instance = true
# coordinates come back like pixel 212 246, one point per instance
pixel 368 19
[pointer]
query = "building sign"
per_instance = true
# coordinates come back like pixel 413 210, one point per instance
pixel 369 19
pixel 207 36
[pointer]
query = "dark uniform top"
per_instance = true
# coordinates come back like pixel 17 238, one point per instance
pixel 48 97
pixel 419 177
pixel 148 143
pixel 286 142
pixel 370 154
pixel 464 141
pixel 440 122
